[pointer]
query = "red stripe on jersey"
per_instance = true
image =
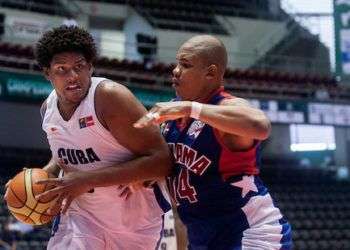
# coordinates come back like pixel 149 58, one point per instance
pixel 239 162
pixel 89 121
pixel 226 95
pixel 236 163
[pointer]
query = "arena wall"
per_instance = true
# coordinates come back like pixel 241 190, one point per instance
pixel 20 126
pixel 24 27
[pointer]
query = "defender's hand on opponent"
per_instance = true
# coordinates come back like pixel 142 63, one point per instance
pixel 125 191
pixel 67 187
pixel 164 111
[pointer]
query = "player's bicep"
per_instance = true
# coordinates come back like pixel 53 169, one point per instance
pixel 233 141
pixel 235 102
pixel 121 111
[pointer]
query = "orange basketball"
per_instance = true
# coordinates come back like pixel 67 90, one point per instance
pixel 21 197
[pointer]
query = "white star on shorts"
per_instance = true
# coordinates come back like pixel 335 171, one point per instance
pixel 246 184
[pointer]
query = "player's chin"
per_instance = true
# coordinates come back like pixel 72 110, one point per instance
pixel 182 95
pixel 179 92
pixel 75 97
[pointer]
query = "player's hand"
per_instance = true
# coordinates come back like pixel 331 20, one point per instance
pixel 125 191
pixel 68 187
pixel 164 111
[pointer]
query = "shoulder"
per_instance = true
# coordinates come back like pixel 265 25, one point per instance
pixel 108 90
pixel 115 100
pixel 234 101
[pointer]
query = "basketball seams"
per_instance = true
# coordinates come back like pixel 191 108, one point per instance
pixel 41 216
pixel 31 188
pixel 26 211
pixel 26 218
pixel 17 197
pixel 25 188
pixel 41 213
pixel 30 220
pixel 19 215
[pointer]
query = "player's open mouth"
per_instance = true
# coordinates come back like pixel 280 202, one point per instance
pixel 73 87
pixel 175 82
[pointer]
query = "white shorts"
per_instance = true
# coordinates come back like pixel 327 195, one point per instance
pixel 76 232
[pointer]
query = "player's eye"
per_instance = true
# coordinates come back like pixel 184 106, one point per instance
pixel 185 65
pixel 61 69
pixel 79 67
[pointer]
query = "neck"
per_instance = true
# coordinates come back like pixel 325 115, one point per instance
pixel 207 93
pixel 66 109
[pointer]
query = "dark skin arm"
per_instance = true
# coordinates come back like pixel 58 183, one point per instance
pixel 52 168
pixel 148 146
pixel 238 123
pixel 118 109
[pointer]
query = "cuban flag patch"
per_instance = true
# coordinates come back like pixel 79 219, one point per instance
pixel 86 122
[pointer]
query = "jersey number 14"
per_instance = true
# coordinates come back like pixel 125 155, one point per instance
pixel 180 188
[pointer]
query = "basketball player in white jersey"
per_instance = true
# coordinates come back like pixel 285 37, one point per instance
pixel 88 122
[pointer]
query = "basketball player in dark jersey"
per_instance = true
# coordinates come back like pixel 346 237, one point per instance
pixel 215 140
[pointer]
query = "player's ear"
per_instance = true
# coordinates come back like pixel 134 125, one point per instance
pixel 46 72
pixel 212 71
pixel 91 68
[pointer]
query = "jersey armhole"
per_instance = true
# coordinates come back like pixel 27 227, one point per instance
pixel 43 110
pixel 223 145
pixel 94 104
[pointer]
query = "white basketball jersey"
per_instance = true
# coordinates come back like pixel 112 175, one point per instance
pixel 168 241
pixel 84 144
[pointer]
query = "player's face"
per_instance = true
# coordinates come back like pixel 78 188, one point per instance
pixel 70 74
pixel 189 75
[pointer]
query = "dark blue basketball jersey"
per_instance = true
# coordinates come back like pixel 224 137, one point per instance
pixel 213 187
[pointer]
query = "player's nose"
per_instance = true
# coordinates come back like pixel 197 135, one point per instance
pixel 72 76
pixel 176 71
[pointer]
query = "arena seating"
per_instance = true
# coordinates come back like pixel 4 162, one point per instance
pixel 315 203
pixel 12 161
pixel 51 7
pixel 251 83
pixel 179 17
pixel 247 8
pixel 190 15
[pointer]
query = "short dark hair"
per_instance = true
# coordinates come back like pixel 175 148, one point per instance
pixel 64 39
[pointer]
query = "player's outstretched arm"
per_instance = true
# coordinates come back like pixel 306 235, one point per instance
pixel 233 116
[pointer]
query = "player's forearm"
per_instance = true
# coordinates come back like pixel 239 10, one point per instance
pixel 153 166
pixel 52 168
pixel 238 120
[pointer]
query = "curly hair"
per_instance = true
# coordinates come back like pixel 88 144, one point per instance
pixel 64 39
